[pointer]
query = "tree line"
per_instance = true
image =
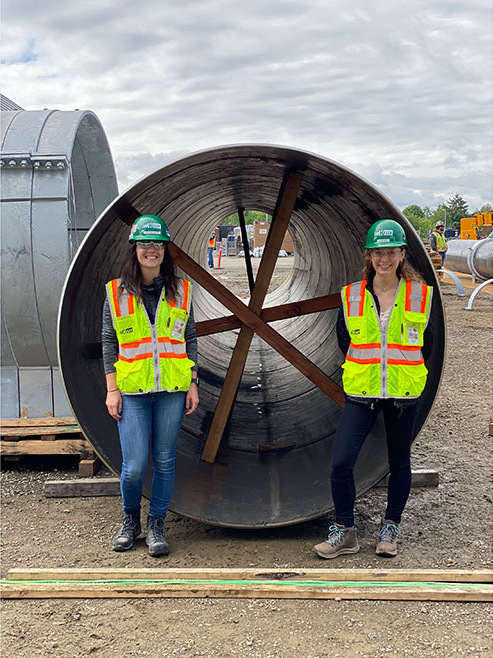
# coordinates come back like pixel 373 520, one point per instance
pixel 450 213
pixel 422 219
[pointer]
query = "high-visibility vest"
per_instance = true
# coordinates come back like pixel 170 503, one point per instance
pixel 212 243
pixel 441 241
pixel 151 357
pixel 389 365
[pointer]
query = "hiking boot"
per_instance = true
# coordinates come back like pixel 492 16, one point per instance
pixel 130 530
pixel 341 540
pixel 387 539
pixel 155 536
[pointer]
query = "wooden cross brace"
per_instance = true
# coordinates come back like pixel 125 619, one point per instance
pixel 252 319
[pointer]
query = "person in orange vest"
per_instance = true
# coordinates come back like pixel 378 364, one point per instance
pixel 210 248
pixel 150 362
pixel 383 330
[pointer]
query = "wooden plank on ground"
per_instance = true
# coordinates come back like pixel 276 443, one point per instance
pixel 194 589
pixel 33 430
pixel 270 314
pixel 285 205
pixel 82 487
pixel 256 573
pixel 34 447
pixel 38 422
pixel 420 478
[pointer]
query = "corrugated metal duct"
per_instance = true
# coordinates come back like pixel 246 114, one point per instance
pixel 275 405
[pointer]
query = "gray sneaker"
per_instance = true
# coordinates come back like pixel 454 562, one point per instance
pixel 129 531
pixel 155 536
pixel 387 539
pixel 341 540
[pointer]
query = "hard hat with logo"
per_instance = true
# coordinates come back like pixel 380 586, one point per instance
pixel 149 228
pixel 385 233
pixel 439 223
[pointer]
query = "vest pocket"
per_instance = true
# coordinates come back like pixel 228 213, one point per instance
pixel 176 374
pixel 358 329
pixel 413 328
pixel 178 319
pixel 131 377
pixel 412 380
pixel 356 378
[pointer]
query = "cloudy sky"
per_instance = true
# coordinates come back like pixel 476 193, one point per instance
pixel 400 92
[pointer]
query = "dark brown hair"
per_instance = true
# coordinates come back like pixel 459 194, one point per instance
pixel 405 269
pixel 132 274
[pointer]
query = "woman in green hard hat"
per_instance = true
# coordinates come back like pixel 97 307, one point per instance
pixel 150 362
pixel 384 333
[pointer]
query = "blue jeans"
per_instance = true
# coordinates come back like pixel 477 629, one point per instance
pixel 354 426
pixel 210 259
pixel 153 418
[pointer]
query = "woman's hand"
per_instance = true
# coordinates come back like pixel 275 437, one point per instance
pixel 114 404
pixel 192 399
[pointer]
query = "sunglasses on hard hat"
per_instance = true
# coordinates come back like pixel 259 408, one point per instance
pixel 149 245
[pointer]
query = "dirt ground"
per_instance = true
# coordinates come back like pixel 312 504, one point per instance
pixel 449 526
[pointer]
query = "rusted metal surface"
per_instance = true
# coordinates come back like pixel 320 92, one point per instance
pixel 273 464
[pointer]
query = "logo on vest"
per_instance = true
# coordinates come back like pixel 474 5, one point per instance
pixel 127 331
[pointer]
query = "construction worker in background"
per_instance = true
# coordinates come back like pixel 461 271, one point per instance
pixel 383 331
pixel 210 248
pixel 438 242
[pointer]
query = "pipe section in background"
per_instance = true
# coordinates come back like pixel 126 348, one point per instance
pixel 471 257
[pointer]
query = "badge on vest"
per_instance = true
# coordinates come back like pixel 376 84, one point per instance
pixel 412 335
pixel 178 330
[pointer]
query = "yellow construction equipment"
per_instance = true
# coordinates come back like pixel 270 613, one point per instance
pixel 477 227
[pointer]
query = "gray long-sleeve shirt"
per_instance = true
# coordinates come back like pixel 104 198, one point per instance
pixel 150 295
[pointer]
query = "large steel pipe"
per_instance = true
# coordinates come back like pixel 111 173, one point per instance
pixel 57 177
pixel 471 257
pixel 275 405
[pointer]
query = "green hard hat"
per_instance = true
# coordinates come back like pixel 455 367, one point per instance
pixel 149 228
pixel 385 233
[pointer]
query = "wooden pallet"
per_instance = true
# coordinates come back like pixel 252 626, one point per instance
pixel 47 436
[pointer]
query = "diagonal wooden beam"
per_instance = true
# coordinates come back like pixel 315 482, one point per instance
pixel 256 324
pixel 281 312
pixel 284 209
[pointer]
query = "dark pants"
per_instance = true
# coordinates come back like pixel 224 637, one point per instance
pixel 354 426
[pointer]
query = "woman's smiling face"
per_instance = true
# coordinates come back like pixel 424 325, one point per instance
pixel 150 257
pixel 385 261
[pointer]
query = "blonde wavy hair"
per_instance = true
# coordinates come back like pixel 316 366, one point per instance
pixel 405 269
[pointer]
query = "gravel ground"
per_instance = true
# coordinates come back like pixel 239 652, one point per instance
pixel 444 527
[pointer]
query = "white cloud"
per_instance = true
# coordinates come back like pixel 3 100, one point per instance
pixel 402 91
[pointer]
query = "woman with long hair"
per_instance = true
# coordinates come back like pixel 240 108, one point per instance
pixel 383 330
pixel 150 363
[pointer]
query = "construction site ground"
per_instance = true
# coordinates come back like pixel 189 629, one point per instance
pixel 444 527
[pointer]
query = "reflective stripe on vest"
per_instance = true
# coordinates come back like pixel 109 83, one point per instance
pixel 374 367
pixel 151 345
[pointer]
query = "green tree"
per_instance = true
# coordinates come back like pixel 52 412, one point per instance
pixel 456 208
pixel 413 211
pixel 251 216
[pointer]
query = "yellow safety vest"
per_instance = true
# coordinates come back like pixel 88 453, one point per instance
pixel 152 357
pixel 441 241
pixel 391 365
